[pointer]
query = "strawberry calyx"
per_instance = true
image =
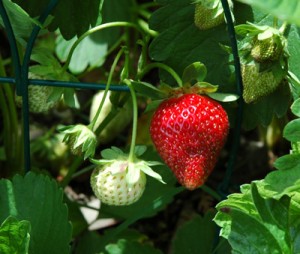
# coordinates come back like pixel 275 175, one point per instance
pixel 262 44
pixel 198 88
pixel 119 162
pixel 81 139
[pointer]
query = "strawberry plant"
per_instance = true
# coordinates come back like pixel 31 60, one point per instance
pixel 167 126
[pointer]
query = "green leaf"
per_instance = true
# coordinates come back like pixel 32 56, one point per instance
pixel 292 131
pixel 14 236
pixel 139 150
pixel 93 50
pixel 84 55
pixel 254 223
pixel 193 73
pixel 89 243
pixel 263 111
pixel 293 34
pixel 282 182
pixel 180 43
pixel 38 199
pixel 111 154
pixel 296 107
pixel 195 236
pixel 287 10
pixel 21 22
pixel 287 162
pixel 249 235
pixel 72 17
pixel 275 216
pixel 79 224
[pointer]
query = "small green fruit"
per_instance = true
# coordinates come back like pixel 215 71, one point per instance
pixel 258 84
pixel 209 14
pixel 38 99
pixel 269 49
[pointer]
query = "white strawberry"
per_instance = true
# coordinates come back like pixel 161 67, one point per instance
pixel 113 188
pixel 119 181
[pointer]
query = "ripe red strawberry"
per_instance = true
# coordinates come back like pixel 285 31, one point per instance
pixel 189 132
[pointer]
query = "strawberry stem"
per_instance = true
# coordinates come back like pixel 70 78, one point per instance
pixel 112 69
pixel 165 67
pixel 10 117
pixel 135 120
pixel 93 30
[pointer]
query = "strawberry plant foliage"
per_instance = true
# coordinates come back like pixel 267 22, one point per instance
pixel 14 235
pixel 28 193
pixel 84 56
pixel 188 42
pixel 180 43
pixel 71 17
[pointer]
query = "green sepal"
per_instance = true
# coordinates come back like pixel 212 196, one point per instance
pixel 193 73
pixel 250 29
pixel 133 174
pixel 223 97
pixel 80 136
pixel 101 161
pixel 203 88
pixel 142 165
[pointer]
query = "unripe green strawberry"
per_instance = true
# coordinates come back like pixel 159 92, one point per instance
pixel 209 14
pixel 258 84
pixel 38 99
pixel 189 132
pixel 113 189
pixel 269 49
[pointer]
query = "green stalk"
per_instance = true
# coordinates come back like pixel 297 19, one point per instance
pixel 10 117
pixel 161 66
pixel 6 124
pixel 135 121
pixel 93 30
pixel 211 192
pixel 113 67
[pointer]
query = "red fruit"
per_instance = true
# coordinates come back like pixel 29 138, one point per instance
pixel 189 132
